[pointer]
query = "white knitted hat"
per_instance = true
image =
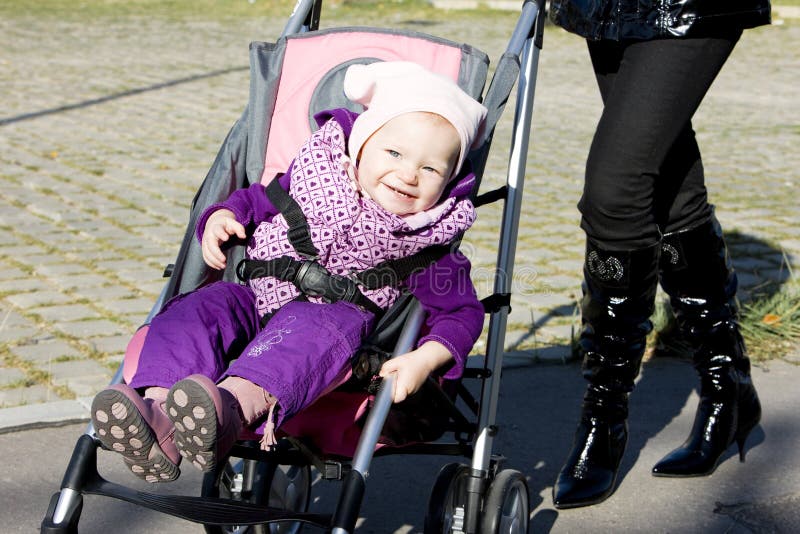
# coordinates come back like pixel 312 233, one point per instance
pixel 390 88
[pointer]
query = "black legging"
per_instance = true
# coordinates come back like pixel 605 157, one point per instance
pixel 644 174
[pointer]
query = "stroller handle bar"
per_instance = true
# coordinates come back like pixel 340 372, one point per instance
pixel 527 27
pixel 354 484
pixel 304 17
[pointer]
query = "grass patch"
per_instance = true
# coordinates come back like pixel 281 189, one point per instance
pixel 366 12
pixel 770 326
pixel 33 376
pixel 65 359
pixel 21 383
pixel 165 9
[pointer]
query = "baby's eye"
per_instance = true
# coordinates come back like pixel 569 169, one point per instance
pixel 430 169
pixel 393 153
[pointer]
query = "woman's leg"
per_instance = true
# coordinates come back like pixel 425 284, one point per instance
pixel 650 91
pixel 697 275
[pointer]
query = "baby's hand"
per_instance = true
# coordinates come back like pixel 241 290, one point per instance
pixel 219 227
pixel 411 372
pixel 413 368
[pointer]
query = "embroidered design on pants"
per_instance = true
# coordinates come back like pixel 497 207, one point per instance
pixel 271 337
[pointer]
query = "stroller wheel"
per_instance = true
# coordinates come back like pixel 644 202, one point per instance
pixel 279 486
pixel 290 490
pixel 506 507
pixel 448 500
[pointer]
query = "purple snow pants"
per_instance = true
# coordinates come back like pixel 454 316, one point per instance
pixel 214 331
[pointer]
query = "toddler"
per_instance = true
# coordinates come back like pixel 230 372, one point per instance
pixel 370 188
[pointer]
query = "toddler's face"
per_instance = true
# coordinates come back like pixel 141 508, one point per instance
pixel 406 164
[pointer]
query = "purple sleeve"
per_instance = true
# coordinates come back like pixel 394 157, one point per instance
pixel 454 313
pixel 249 206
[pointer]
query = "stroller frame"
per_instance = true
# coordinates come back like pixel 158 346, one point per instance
pixel 465 499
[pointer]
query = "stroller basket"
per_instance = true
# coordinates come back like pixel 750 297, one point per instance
pixel 466 498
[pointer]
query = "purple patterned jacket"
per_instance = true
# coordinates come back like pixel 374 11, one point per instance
pixel 353 233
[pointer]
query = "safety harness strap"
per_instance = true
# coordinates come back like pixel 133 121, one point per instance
pixel 392 272
pixel 313 279
pixel 299 235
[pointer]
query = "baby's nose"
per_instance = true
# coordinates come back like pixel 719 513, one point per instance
pixel 407 173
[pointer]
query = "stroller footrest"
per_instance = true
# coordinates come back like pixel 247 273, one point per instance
pixel 205 510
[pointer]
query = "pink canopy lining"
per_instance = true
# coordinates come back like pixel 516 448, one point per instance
pixel 304 66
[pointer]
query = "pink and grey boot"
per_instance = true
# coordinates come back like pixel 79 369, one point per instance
pixel 139 430
pixel 207 420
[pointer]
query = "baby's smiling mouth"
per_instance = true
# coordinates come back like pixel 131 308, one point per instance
pixel 401 193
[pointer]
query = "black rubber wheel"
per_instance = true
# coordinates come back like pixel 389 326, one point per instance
pixel 506 508
pixel 448 499
pixel 290 490
pixel 279 486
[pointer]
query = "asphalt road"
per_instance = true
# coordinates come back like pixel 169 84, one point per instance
pixel 761 495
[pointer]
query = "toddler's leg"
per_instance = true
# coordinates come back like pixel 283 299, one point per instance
pixel 209 419
pixel 197 333
pixel 302 353
pixel 139 430
pixel 194 333
pixel 297 357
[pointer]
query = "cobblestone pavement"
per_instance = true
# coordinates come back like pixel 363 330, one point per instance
pixel 108 127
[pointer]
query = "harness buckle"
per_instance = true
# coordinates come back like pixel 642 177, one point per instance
pixel 352 275
pixel 314 280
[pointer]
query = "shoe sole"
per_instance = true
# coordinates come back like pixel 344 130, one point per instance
pixel 194 416
pixel 121 428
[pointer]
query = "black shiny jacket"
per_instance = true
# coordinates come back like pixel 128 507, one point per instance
pixel 649 19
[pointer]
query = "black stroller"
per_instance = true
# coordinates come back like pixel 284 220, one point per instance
pixel 269 491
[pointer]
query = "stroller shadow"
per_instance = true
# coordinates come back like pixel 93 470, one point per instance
pixel 540 404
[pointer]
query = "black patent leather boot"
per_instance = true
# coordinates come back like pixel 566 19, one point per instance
pixel 698 277
pixel 619 296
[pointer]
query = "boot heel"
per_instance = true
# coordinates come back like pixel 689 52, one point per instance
pixel 740 442
pixel 752 421
pixel 741 438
